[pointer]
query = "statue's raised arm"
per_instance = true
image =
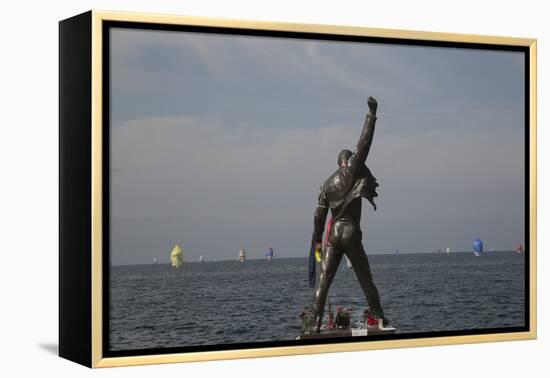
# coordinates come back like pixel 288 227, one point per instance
pixel 365 140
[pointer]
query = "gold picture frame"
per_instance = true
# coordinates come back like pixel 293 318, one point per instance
pixel 82 311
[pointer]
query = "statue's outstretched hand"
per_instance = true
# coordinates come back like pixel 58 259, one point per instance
pixel 373 105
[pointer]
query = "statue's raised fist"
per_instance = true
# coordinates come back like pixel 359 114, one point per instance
pixel 373 105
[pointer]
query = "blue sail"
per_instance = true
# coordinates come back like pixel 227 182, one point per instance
pixel 478 246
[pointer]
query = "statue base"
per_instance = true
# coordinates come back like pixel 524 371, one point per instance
pixel 329 333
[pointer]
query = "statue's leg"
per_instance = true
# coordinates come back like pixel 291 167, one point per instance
pixel 360 263
pixel 331 261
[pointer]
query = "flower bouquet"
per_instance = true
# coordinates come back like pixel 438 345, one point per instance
pixel 372 319
pixel 343 317
pixel 308 321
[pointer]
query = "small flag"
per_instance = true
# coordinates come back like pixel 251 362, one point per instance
pixel 312 257
pixel 318 255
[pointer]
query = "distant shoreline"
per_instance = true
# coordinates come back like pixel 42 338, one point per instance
pixel 305 257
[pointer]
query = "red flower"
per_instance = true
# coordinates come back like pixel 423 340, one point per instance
pixel 371 320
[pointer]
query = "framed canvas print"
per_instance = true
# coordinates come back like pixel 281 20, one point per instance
pixel 235 189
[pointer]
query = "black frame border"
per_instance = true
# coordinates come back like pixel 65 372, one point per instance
pixel 107 25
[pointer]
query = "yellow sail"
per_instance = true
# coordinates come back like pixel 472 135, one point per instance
pixel 177 256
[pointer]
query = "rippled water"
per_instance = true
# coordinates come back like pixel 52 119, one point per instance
pixel 155 306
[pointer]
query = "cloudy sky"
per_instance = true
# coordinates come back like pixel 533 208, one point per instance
pixel 221 142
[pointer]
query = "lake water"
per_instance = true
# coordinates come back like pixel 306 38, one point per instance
pixel 224 302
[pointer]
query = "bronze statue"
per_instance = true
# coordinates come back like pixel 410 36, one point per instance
pixel 342 193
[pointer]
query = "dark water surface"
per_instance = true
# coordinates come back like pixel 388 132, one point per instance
pixel 155 306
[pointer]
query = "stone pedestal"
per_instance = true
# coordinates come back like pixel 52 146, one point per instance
pixel 347 332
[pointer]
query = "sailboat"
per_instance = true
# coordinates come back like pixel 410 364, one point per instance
pixel 396 252
pixel 269 254
pixel 519 248
pixel 448 250
pixel 478 247
pixel 348 263
pixel 201 259
pixel 242 255
pixel 155 260
pixel 177 256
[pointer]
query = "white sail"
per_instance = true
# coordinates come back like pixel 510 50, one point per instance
pixel 448 250
pixel 242 255
pixel 201 259
pixel 348 263
pixel 155 260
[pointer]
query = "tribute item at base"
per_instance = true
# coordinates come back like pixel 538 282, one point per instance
pixel 342 193
pixel 347 332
